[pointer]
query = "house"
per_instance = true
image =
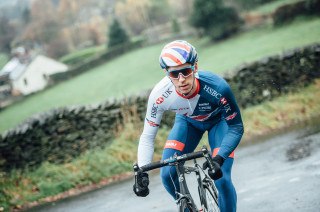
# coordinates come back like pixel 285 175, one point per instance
pixel 28 75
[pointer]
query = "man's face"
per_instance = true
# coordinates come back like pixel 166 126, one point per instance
pixel 184 84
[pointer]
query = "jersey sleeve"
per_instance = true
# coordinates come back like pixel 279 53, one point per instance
pixel 232 115
pixel 151 125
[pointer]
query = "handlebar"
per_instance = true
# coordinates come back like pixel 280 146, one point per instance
pixel 175 159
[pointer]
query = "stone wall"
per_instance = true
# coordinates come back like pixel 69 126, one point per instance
pixel 275 75
pixel 61 134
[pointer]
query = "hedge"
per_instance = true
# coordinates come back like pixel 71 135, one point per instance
pixel 288 12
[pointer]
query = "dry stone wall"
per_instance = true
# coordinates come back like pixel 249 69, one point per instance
pixel 61 134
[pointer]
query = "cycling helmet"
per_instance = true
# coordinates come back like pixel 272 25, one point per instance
pixel 177 53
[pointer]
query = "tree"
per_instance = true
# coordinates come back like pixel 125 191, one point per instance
pixel 7 34
pixel 43 26
pixel 134 14
pixel 57 48
pixel 175 25
pixel 160 12
pixel 26 16
pixel 117 35
pixel 217 20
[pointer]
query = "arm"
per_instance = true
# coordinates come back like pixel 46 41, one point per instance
pixel 151 126
pixel 232 115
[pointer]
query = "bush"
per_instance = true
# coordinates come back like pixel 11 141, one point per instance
pixel 227 24
pixel 251 4
pixel 217 21
pixel 288 12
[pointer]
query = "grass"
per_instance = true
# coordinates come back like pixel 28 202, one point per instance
pixel 19 188
pixel 80 55
pixel 139 70
pixel 257 44
pixel 3 60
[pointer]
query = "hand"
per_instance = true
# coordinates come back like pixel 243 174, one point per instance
pixel 140 186
pixel 216 172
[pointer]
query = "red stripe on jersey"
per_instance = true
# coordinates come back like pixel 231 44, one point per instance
pixel 173 144
pixel 216 150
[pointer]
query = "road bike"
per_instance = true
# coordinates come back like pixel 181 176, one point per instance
pixel 208 193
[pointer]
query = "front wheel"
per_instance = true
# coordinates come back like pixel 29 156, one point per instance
pixel 211 198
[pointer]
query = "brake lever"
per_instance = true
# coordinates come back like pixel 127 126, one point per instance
pixel 208 157
pixel 136 172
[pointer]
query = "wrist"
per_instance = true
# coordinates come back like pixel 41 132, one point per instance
pixel 220 160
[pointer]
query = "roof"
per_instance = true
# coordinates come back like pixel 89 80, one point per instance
pixel 16 66
pixel 13 68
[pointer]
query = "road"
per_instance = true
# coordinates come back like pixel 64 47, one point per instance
pixel 279 174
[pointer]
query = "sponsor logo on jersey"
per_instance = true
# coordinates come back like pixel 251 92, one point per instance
pixel 227 108
pixel 212 92
pixel 231 116
pixel 159 100
pixel 166 94
pixel 218 96
pixel 204 107
pixel 152 124
pixel 154 111
pixel 180 109
pixel 173 144
pixel 223 100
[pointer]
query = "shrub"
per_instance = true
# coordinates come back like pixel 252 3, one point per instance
pixel 288 12
pixel 217 21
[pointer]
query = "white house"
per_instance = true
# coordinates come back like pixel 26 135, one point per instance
pixel 30 76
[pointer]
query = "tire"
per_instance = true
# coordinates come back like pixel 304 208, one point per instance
pixel 184 206
pixel 211 198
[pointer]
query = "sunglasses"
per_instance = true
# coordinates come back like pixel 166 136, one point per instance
pixel 174 74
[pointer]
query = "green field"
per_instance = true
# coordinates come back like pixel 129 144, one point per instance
pixel 80 55
pixel 139 70
pixel 3 60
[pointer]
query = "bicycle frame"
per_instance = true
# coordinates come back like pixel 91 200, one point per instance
pixel 184 191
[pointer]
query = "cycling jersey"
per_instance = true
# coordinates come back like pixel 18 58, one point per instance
pixel 212 100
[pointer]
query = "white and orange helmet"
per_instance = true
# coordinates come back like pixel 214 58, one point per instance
pixel 177 53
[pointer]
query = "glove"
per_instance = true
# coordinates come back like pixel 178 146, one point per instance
pixel 216 172
pixel 140 186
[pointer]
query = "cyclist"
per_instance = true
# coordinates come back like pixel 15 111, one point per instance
pixel 203 101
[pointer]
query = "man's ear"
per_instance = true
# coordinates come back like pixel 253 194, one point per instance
pixel 195 67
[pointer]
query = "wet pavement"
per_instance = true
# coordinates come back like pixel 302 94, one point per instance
pixel 279 174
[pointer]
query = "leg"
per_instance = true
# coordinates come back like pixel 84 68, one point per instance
pixel 227 192
pixel 183 138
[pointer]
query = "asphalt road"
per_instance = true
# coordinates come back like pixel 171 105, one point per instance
pixel 279 174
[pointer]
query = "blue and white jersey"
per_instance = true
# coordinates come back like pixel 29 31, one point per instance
pixel 213 99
